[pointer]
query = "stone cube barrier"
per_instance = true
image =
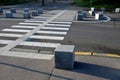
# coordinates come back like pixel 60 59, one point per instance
pixel 26 10
pixel 79 17
pixel 99 16
pixel 92 13
pixel 92 9
pixel 40 11
pixel 64 56
pixel 13 10
pixel 9 15
pixel 117 10
pixel 26 15
pixel 34 13
pixel 79 12
pixel 1 11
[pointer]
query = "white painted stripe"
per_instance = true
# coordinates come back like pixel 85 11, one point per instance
pixel 52 32
pixel 19 26
pixel 47 37
pixel 42 17
pixel 30 23
pixel 16 30
pixel 57 22
pixel 55 28
pixel 62 25
pixel 40 44
pixel 10 35
pixel 34 21
pixel 5 41
pixel 26 55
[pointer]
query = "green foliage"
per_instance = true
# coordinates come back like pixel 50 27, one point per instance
pixel 98 3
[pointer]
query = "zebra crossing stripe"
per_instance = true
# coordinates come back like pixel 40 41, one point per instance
pixel 42 17
pixel 30 23
pixel 47 37
pixel 16 30
pixel 5 41
pixel 40 44
pixel 10 35
pixel 20 26
pixel 62 25
pixel 55 28
pixel 34 21
pixel 59 22
pixel 36 44
pixel 52 32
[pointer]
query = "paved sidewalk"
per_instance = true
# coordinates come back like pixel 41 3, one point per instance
pixel 86 68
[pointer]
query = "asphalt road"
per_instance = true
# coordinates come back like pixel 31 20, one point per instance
pixel 102 37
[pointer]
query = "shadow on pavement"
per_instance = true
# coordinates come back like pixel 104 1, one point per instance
pixel 33 70
pixel 97 70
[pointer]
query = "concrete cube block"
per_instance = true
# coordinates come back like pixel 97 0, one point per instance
pixel 34 13
pixel 26 10
pixel 40 11
pixel 13 10
pixel 92 9
pixel 79 17
pixel 79 12
pixel 1 11
pixel 103 9
pixel 26 15
pixel 92 13
pixel 117 10
pixel 9 15
pixel 64 57
pixel 99 16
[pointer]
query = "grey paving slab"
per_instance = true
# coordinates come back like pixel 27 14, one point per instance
pixel 90 68
pixel 25 69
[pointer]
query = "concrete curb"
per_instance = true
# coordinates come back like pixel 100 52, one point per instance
pixel 98 54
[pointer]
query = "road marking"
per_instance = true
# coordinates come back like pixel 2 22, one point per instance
pixel 30 32
pixel 20 26
pixel 98 54
pixel 34 21
pixel 42 17
pixel 60 25
pixel 31 23
pixel 33 36
pixel 55 28
pixel 52 32
pixel 16 30
pixel 5 41
pixel 40 44
pixel 60 22
pixel 36 44
pixel 10 35
pixel 26 55
pixel 47 37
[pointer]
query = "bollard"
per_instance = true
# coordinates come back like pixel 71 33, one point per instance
pixel 64 57
pixel 92 13
pixel 92 9
pixel 26 10
pixel 99 16
pixel 79 12
pixel 9 15
pixel 40 11
pixel 1 11
pixel 117 10
pixel 34 13
pixel 26 15
pixel 79 17
pixel 102 9
pixel 84 14
pixel 13 10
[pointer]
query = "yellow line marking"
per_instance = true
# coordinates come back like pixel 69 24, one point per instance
pixel 97 54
